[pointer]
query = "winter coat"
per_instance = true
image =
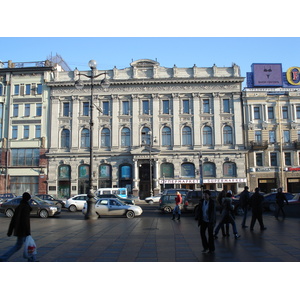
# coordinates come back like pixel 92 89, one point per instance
pixel 211 213
pixel 20 222
pixel 280 198
pixel 244 199
pixel 256 202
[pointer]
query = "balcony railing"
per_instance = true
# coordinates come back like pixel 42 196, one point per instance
pixel 259 145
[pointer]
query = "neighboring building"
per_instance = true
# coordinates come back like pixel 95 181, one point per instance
pixel 271 105
pixel 155 121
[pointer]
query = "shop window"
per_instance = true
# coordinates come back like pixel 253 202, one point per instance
pixel 187 170
pixel 229 169
pixel 167 170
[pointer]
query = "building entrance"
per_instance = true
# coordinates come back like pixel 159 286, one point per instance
pixel 145 184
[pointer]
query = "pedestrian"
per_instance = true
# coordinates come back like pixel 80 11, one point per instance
pixel 244 203
pixel 280 198
pixel 206 221
pixel 227 216
pixel 20 227
pixel 256 203
pixel 220 199
pixel 177 209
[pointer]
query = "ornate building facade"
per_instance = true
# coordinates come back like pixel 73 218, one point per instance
pixel 150 128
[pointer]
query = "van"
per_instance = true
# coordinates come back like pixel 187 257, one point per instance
pixel 121 192
pixel 167 200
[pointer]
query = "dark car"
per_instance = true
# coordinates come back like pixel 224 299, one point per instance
pixel 124 200
pixel 50 198
pixel 270 200
pixel 193 197
pixel 39 207
pixel 167 199
pixel 6 196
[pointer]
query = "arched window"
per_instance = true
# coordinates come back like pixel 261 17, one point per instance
pixel 65 138
pixel 166 136
pixel 167 170
pixel 83 171
pixel 187 170
pixel 125 137
pixel 209 170
pixel 105 137
pixel 186 136
pixel 145 138
pixel 227 135
pixel 229 169
pixel 105 171
pixel 85 138
pixel 64 172
pixel 207 135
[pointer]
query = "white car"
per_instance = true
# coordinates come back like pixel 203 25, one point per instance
pixel 153 199
pixel 114 207
pixel 76 203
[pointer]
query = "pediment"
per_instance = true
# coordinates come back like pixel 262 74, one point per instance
pixel 142 63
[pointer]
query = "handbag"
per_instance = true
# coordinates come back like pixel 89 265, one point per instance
pixel 29 247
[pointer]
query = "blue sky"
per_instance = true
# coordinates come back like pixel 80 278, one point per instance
pixel 182 51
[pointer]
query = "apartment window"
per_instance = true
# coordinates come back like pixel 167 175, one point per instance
pixel 270 112
pixel 125 107
pixel 38 109
pixel 166 136
pixel 259 159
pixel 227 135
pixel 27 110
pixel 272 136
pixel 27 89
pixel 105 108
pixel 25 157
pixel 256 113
pixel 166 106
pixel 287 159
pixel 26 132
pixel 207 135
pixel 1 90
pixel 66 109
pixel 17 89
pixel 65 138
pixel 15 132
pixel 146 138
pixel 145 107
pixel 298 112
pixel 185 106
pixel 226 107
pixel 16 110
pixel 206 106
pixel 286 136
pixel 273 159
pixel 37 131
pixel 186 136
pixel 258 136
pixel 85 138
pixel 298 135
pixel 85 108
pixel 105 137
pixel 125 137
pixel 39 89
pixel 285 114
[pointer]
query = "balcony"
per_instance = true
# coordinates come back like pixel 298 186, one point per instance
pixel 262 145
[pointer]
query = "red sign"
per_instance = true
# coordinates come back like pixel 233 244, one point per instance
pixel 294 169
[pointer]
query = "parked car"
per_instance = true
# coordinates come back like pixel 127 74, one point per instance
pixel 114 207
pixel 39 207
pixel 6 196
pixel 192 199
pixel 153 199
pixel 50 198
pixel 270 200
pixel 125 200
pixel 183 192
pixel 76 203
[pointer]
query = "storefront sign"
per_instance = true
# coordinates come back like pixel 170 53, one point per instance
pixel 213 180
pixel 263 169
pixel 293 75
pixel 294 169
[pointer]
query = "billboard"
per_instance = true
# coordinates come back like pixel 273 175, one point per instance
pixel 267 75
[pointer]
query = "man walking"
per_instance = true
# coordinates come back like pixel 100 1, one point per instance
pixel 244 203
pixel 177 210
pixel 256 202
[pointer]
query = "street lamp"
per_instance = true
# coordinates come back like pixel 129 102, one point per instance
pixel 91 212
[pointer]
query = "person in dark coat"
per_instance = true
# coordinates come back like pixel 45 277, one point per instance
pixel 280 199
pixel 256 203
pixel 244 202
pixel 206 221
pixel 19 226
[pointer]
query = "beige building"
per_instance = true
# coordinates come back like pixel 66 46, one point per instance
pixel 152 122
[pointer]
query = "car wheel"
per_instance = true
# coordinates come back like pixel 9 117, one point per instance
pixel 239 211
pixel 9 213
pixel 43 214
pixel 150 202
pixel 167 209
pixel 130 214
pixel 72 208
pixel 59 205
pixel 272 207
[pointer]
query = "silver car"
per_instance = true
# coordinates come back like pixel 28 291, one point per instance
pixel 114 207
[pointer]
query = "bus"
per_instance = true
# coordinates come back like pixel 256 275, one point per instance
pixel 122 192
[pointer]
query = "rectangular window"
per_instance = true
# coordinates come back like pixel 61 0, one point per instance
pixel 16 110
pixel 256 113
pixel 298 112
pixel 285 114
pixel 37 131
pixel 145 108
pixel 287 159
pixel 298 135
pixel 17 89
pixel 286 136
pixel 66 109
pixel 273 159
pixel 38 109
pixel 272 136
pixel 270 112
pixel 85 108
pixel 105 108
pixel 27 110
pixel 226 107
pixel 39 89
pixel 206 106
pixel 259 159
pixel 125 107
pixel 26 132
pixel 258 136
pixel 1 90
pixel 166 107
pixel 25 157
pixel 27 89
pixel 15 132
pixel 186 106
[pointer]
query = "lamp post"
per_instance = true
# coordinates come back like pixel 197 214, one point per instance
pixel 91 212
